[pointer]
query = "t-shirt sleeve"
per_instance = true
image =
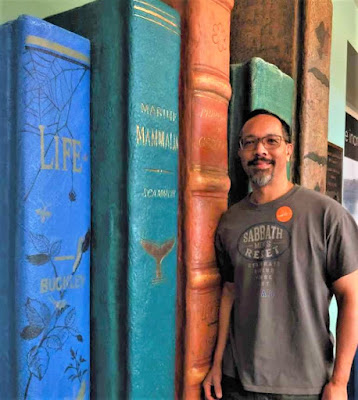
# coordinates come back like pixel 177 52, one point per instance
pixel 223 260
pixel 342 246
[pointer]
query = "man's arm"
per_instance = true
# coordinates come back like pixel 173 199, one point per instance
pixel 346 291
pixel 213 377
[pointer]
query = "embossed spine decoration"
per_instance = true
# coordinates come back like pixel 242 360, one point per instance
pixel 204 183
pixel 45 222
pixel 314 93
pixel 295 36
pixel 136 47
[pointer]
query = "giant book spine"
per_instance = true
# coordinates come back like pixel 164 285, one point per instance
pixel 313 89
pixel 45 217
pixel 204 183
pixel 295 36
pixel 135 63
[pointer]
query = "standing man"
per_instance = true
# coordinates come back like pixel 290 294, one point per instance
pixel 283 251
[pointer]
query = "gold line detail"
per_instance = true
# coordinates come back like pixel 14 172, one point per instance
pixel 64 258
pixel 38 41
pixel 158 23
pixel 158 171
pixel 156 15
pixel 156 8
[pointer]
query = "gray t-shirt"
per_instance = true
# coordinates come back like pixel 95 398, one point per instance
pixel 283 257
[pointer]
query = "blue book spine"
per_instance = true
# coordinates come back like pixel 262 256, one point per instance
pixel 45 142
pixel 152 197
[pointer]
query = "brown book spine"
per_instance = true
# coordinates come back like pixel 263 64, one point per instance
pixel 204 183
pixel 266 29
pixel 206 178
pixel 295 36
pixel 313 110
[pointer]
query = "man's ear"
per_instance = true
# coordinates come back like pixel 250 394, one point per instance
pixel 289 151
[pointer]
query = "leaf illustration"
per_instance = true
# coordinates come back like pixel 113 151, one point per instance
pixel 87 241
pixel 60 311
pixel 38 259
pixel 73 353
pixel 53 342
pixel 31 332
pixel 55 248
pixel 38 314
pixel 40 242
pixel 78 258
pixel 59 335
pixel 37 361
pixel 69 367
pixel 70 318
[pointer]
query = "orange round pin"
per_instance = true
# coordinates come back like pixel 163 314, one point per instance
pixel 284 214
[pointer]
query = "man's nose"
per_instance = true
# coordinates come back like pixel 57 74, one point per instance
pixel 260 148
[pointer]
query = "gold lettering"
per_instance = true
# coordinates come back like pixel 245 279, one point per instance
pixel 159 193
pixel 65 151
pixel 144 108
pixel 56 152
pixel 158 112
pixel 42 144
pixel 61 283
pixel 167 142
pixel 76 155
pixel 161 139
pixel 156 138
pixel 44 285
pixel 147 139
pixel 140 134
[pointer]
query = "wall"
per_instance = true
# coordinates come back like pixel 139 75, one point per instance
pixel 345 29
pixel 10 9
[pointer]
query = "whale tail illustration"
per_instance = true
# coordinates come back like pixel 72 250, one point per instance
pixel 158 252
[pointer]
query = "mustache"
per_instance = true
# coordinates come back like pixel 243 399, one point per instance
pixel 255 160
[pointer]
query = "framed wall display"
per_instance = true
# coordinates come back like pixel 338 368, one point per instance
pixel 350 166
pixel 334 172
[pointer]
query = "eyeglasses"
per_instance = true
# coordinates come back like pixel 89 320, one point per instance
pixel 269 142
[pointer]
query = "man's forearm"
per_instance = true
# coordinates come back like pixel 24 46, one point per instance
pixel 227 300
pixel 347 338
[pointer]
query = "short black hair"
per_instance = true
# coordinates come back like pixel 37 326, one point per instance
pixel 285 127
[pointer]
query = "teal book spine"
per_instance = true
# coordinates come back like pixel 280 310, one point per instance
pixel 45 217
pixel 134 89
pixel 152 198
pixel 256 85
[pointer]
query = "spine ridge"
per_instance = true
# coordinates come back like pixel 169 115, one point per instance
pixel 208 82
pixel 203 278
pixel 199 181
pixel 227 4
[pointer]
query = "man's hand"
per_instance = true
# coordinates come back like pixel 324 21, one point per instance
pixel 213 378
pixel 334 391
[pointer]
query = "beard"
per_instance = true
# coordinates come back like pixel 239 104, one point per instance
pixel 260 178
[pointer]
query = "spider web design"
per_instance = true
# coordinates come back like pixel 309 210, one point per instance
pixel 51 83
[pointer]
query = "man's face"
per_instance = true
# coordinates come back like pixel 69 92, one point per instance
pixel 264 165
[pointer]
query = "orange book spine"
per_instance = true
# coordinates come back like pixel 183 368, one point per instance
pixel 204 182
